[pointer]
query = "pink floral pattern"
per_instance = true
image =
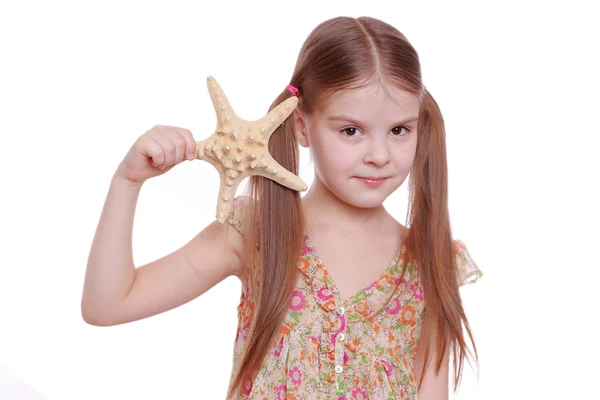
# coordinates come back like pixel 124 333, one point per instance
pixel 298 301
pixel 361 348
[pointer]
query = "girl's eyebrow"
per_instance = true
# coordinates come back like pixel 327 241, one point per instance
pixel 355 122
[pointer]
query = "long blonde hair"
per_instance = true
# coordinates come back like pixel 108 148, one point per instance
pixel 343 53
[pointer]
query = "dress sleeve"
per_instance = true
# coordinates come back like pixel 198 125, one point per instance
pixel 468 272
pixel 234 217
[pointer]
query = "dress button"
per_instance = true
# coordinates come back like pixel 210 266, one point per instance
pixel 339 369
pixel 341 337
pixel 341 310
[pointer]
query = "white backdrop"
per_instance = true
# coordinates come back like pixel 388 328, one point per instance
pixel 80 81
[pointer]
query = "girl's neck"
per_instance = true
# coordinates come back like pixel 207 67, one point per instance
pixel 323 209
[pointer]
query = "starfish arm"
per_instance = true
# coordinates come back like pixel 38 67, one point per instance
pixel 227 192
pixel 205 150
pixel 200 149
pixel 285 178
pixel 229 182
pixel 276 116
pixel 274 171
pixel 220 102
pixel 214 162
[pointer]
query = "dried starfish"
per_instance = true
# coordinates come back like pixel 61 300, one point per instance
pixel 239 148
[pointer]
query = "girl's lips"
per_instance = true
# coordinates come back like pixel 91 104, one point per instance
pixel 371 181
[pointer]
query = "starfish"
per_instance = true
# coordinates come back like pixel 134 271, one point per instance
pixel 239 148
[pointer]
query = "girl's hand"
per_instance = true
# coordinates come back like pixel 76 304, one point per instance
pixel 156 152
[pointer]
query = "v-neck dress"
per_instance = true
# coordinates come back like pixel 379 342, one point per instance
pixel 326 348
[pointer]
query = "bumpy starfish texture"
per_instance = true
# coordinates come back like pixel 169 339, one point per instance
pixel 239 148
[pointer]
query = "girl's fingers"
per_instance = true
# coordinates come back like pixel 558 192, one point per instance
pixel 190 143
pixel 168 148
pixel 179 144
pixel 155 152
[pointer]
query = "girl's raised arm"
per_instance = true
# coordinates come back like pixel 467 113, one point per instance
pixel 115 292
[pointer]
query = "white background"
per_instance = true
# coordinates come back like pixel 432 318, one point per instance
pixel 517 83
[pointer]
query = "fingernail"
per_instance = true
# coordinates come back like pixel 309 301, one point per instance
pixel 190 156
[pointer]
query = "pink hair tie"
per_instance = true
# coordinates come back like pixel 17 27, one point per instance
pixel 292 89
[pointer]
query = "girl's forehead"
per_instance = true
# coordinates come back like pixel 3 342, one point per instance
pixel 370 99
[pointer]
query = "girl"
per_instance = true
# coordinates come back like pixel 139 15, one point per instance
pixel 339 300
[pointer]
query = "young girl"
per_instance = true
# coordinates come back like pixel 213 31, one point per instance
pixel 339 300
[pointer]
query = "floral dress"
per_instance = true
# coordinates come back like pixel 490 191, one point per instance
pixel 326 348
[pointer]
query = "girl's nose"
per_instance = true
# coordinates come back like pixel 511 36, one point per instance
pixel 377 152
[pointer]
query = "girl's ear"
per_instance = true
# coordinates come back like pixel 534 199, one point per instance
pixel 300 128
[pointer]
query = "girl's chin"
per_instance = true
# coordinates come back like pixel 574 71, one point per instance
pixel 365 200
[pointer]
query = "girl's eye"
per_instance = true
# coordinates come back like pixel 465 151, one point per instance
pixel 351 130
pixel 398 129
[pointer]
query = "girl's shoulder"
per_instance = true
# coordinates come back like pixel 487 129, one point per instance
pixel 468 271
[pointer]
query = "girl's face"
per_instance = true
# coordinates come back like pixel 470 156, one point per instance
pixel 369 132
